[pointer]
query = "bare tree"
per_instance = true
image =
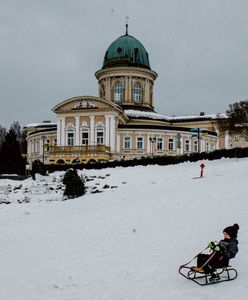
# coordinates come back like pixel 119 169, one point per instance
pixel 15 126
pixel 237 119
pixel 21 135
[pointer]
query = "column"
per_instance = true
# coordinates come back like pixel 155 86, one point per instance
pixel 226 135
pixel 59 132
pixel 126 100
pixel 99 87
pixel 41 148
pixel 147 94
pixel 77 119
pixel 148 143
pixel 112 132
pixel 203 144
pixel 108 89
pixel 92 130
pixel 118 145
pixel 62 131
pixel 217 143
pixel 107 131
pixel 130 89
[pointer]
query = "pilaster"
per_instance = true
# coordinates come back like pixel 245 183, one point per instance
pixel 112 132
pixel 107 130
pixel 77 119
pixel 92 130
pixel 62 135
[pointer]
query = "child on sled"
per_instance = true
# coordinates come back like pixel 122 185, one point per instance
pixel 222 252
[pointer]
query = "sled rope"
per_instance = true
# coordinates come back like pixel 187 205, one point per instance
pixel 194 257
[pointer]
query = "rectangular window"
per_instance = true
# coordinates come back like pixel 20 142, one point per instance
pixel 187 145
pixel 70 138
pixel 37 147
pixel 195 146
pixel 32 147
pixel 159 143
pixel 55 142
pixel 207 147
pixel 85 138
pixel 127 142
pixel 99 138
pixel 139 142
pixel 171 144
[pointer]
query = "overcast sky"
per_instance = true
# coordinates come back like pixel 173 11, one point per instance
pixel 51 49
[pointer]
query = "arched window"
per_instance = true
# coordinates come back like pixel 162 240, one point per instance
pixel 32 147
pixel 137 93
pixel 118 92
pixel 60 162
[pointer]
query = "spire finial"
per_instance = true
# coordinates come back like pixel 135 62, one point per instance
pixel 127 25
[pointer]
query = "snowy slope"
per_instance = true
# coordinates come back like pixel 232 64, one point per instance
pixel 128 241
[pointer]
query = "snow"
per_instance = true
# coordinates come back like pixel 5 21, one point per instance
pixel 145 114
pixel 126 242
pixel 47 124
pixel 153 115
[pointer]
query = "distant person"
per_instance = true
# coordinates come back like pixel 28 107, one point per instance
pixel 222 252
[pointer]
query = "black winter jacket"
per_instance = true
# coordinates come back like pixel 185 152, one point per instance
pixel 229 248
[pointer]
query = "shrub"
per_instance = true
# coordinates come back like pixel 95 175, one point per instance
pixel 74 185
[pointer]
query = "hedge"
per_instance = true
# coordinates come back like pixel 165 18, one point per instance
pixel 155 160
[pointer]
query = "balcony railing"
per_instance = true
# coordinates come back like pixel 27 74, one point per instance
pixel 80 150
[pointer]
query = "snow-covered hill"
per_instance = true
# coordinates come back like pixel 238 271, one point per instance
pixel 126 242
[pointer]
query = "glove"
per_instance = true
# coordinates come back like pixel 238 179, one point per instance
pixel 217 248
pixel 214 247
pixel 211 245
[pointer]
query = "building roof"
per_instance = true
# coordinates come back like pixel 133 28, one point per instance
pixel 126 51
pixel 41 125
pixel 131 113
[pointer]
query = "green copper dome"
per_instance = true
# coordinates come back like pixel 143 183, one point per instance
pixel 126 51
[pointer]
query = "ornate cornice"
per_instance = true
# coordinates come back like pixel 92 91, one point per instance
pixel 84 100
pixel 125 71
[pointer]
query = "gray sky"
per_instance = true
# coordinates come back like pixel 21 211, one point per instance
pixel 51 49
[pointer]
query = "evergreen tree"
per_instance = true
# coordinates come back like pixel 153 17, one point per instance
pixel 74 186
pixel 2 135
pixel 11 160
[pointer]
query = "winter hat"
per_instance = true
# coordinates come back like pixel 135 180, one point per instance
pixel 232 231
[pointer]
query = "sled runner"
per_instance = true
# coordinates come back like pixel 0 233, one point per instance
pixel 200 277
